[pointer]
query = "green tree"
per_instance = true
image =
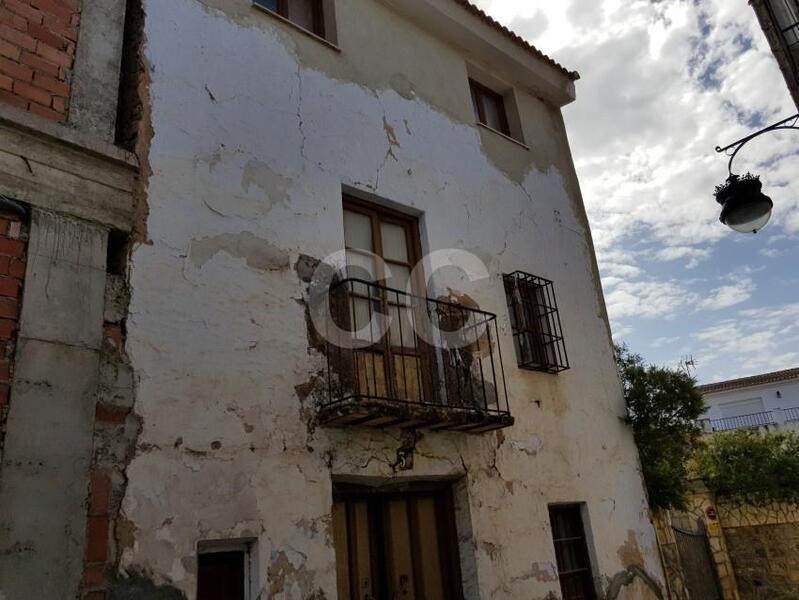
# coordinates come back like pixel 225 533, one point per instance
pixel 753 467
pixel 662 407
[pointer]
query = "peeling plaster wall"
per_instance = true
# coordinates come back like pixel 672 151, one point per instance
pixel 256 128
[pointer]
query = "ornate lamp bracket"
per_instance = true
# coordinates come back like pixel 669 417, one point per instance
pixel 733 149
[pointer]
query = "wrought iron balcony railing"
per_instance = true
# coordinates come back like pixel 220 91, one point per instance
pixel 402 360
pixel 753 421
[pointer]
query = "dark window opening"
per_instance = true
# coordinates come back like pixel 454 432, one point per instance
pixel 224 570
pixel 535 322
pixel 117 253
pixel 307 14
pixel 489 107
pixel 221 576
pixel 571 551
pixel 392 544
pixel 129 103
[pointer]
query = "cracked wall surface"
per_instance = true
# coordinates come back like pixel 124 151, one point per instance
pixel 256 129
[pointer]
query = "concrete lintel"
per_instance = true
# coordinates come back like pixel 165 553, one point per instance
pixel 54 168
pixel 95 78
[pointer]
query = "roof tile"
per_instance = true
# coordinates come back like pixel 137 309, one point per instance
pixel 744 382
pixel 573 75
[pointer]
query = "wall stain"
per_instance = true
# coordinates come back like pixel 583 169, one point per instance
pixel 627 577
pixel 258 174
pixel 629 553
pixel 140 587
pixel 258 253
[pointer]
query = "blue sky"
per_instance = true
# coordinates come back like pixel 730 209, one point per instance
pixel 664 82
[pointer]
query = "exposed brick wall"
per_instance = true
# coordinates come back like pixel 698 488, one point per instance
pixel 115 432
pixel 38 39
pixel 13 252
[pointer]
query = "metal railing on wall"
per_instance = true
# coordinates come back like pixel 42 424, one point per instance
pixel 431 352
pixel 752 421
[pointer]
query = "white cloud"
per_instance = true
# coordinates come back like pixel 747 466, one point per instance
pixel 729 295
pixel 759 340
pixel 648 299
pixel 692 255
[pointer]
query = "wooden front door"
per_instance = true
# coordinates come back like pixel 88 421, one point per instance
pixel 396 546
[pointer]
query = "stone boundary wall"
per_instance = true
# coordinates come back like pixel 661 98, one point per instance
pixel 755 548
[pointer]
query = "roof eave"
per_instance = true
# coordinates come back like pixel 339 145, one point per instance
pixel 486 42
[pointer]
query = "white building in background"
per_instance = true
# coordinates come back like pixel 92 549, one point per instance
pixel 769 401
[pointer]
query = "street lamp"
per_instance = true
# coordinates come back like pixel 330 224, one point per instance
pixel 745 208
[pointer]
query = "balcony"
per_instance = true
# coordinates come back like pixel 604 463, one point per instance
pixel 754 421
pixel 395 359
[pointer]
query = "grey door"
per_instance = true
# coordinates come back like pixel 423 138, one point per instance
pixel 697 564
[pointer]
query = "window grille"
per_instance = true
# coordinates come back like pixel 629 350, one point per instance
pixel 537 331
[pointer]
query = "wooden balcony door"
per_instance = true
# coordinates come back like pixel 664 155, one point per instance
pixel 391 367
pixel 396 546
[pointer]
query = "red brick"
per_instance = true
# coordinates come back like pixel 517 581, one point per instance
pixel 47 113
pixel 114 333
pixel 100 496
pixel 23 40
pixel 16 268
pixel 39 64
pixel 9 308
pixel 95 575
pixel 4 265
pixel 15 70
pixel 5 370
pixel 5 390
pixel 3 226
pixel 110 414
pixel 9 287
pixel 60 104
pixel 54 8
pixel 12 99
pixel 95 595
pixel 33 93
pixel 51 84
pixel 9 50
pixel 13 20
pixel 6 83
pixel 46 36
pixel 73 4
pixel 97 539
pixel 7 328
pixel 14 248
pixel 58 27
pixel 24 9
pixel 62 59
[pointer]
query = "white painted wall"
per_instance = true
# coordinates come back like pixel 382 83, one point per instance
pixel 256 130
pixel 775 397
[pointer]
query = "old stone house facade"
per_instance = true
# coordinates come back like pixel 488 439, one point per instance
pixel 178 423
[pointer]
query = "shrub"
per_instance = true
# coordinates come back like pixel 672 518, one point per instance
pixel 750 466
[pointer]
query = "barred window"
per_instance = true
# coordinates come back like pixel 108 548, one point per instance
pixel 571 551
pixel 535 322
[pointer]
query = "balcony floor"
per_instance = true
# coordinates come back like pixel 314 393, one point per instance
pixel 372 412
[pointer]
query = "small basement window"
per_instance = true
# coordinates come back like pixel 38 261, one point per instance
pixel 306 14
pixel 224 570
pixel 571 552
pixel 535 322
pixel 489 108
